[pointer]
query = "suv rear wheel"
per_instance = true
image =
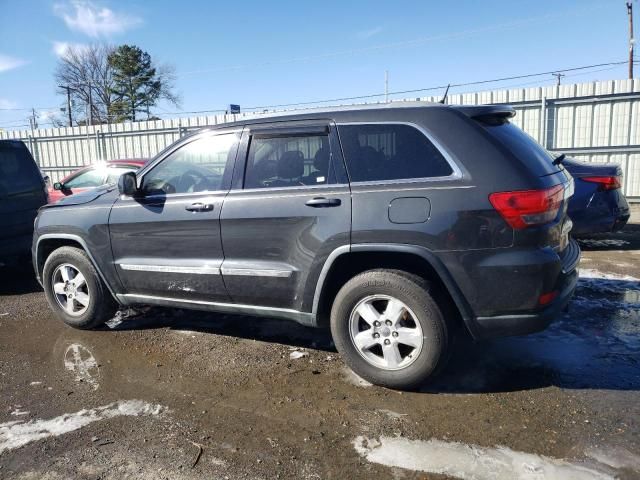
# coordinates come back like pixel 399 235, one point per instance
pixel 389 329
pixel 75 291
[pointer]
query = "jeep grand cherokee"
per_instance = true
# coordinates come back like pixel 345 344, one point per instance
pixel 396 225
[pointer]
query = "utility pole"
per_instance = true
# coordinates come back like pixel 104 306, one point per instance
pixel 386 86
pixel 558 77
pixel 33 120
pixel 631 39
pixel 90 116
pixel 68 89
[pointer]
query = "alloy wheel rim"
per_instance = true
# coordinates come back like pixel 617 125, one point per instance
pixel 70 289
pixel 385 332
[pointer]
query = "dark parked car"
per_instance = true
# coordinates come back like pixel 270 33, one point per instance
pixel 395 225
pixel 91 177
pixel 598 205
pixel 22 192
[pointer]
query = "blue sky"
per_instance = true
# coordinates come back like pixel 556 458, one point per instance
pixel 259 53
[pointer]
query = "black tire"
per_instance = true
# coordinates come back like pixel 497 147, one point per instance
pixel 416 293
pixel 101 306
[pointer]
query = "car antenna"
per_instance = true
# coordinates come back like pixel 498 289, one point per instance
pixel 558 160
pixel 445 94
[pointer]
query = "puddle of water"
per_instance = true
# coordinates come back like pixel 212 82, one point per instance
pixel 16 434
pixel 470 462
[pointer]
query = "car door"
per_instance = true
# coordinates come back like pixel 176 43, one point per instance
pixel 166 239
pixel 288 209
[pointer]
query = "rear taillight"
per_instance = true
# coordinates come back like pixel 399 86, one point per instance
pixel 604 183
pixel 526 208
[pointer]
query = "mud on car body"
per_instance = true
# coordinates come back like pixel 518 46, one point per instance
pixel 398 226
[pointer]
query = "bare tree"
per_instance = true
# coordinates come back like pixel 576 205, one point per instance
pixel 89 77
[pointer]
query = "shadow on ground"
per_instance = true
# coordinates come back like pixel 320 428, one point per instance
pixel 626 239
pixel 18 279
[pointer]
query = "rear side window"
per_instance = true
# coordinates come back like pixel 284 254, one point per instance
pixel 520 144
pixel 18 172
pixel 295 161
pixel 390 152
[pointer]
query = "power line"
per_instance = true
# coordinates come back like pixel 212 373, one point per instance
pixel 609 65
pixel 417 90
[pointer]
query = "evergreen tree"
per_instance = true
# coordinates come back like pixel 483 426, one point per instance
pixel 137 84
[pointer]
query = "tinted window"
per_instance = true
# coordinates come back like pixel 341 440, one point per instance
pixel 197 166
pixel 90 178
pixel 288 161
pixel 18 172
pixel 390 152
pixel 523 146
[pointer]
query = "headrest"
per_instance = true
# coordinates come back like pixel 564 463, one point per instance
pixel 321 160
pixel 291 164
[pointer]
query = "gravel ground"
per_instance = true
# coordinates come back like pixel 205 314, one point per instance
pixel 181 395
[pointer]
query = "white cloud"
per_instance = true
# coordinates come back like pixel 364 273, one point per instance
pixel 7 104
pixel 61 48
pixel 86 17
pixel 365 34
pixel 9 63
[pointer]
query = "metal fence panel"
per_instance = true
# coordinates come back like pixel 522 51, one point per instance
pixel 594 122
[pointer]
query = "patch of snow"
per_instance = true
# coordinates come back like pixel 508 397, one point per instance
pixel 469 462
pixel 616 457
pixel 392 414
pixel 16 434
pixel 79 360
pixel 297 354
pixel 351 377
pixel 35 383
pixel 4 314
pixel 18 412
pixel 590 273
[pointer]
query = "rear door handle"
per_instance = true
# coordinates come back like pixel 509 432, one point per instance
pixel 321 202
pixel 199 207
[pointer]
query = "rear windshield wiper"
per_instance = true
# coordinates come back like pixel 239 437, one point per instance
pixel 558 160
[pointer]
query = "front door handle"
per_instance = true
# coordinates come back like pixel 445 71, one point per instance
pixel 199 207
pixel 322 202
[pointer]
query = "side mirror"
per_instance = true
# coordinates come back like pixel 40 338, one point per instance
pixel 58 186
pixel 127 184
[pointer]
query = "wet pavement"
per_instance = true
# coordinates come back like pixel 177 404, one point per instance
pixel 178 394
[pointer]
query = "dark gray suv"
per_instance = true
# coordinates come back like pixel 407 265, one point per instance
pixel 396 225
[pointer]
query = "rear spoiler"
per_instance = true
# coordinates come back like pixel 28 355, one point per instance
pixel 481 112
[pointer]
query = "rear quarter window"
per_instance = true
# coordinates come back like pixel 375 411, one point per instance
pixel 18 171
pixel 378 152
pixel 521 145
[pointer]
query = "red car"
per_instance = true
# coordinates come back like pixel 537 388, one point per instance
pixel 92 176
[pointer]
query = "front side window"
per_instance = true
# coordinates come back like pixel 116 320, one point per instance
pixel 197 166
pixel 379 152
pixel 91 178
pixel 292 161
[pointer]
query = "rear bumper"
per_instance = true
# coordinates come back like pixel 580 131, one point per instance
pixel 605 212
pixel 522 324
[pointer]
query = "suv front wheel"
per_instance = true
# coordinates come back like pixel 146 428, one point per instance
pixel 75 291
pixel 389 329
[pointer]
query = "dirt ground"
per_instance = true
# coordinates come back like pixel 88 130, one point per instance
pixel 180 395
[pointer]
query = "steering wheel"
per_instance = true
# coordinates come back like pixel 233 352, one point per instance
pixel 190 179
